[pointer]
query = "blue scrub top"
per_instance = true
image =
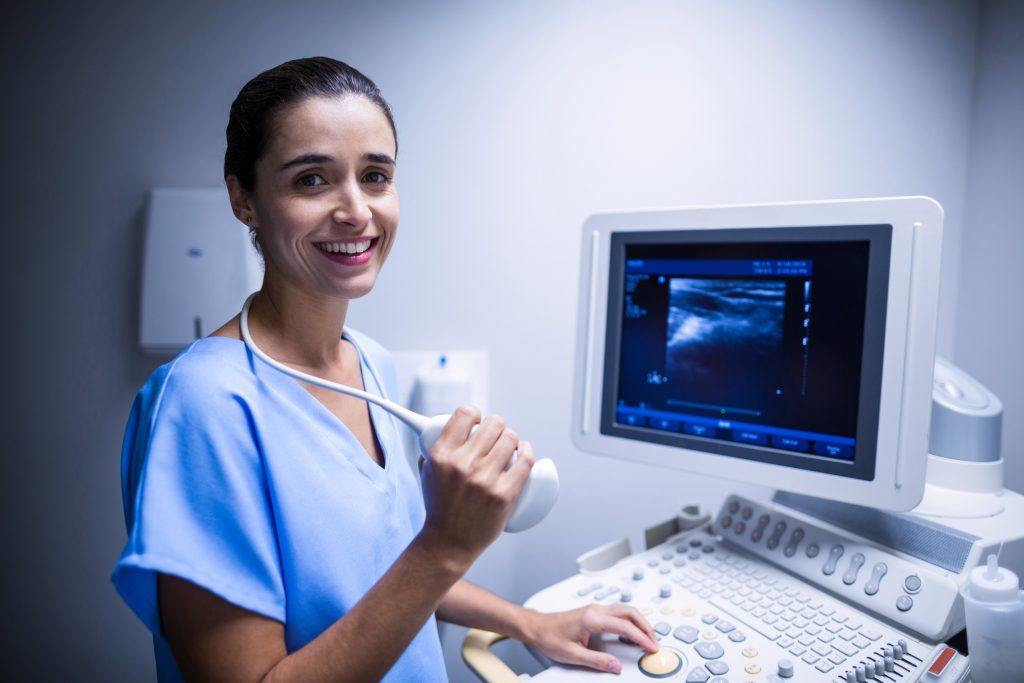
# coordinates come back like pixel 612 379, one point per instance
pixel 239 480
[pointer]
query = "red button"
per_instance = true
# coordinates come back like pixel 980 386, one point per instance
pixel 939 665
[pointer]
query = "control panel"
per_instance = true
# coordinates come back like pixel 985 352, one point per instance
pixel 908 593
pixel 723 614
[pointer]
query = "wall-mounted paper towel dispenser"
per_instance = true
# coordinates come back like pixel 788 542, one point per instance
pixel 198 267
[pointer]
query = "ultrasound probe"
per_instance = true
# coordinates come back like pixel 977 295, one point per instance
pixel 539 492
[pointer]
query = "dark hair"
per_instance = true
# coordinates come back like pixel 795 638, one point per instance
pixel 253 111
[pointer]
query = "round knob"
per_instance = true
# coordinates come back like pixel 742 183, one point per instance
pixel 638 574
pixel 666 591
pixel 785 668
pixel 626 596
pixel 662 663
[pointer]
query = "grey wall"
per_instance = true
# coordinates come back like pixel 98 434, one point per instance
pixel 516 121
pixel 990 316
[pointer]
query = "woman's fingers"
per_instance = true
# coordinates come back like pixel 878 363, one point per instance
pixel 627 629
pixel 602 661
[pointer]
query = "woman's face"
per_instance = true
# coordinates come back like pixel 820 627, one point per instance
pixel 324 205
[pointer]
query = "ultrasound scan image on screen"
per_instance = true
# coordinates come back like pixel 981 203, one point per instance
pixel 745 344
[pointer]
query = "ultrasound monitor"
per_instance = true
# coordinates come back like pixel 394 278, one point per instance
pixel 786 345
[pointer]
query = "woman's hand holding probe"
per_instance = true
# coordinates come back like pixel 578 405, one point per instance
pixel 468 486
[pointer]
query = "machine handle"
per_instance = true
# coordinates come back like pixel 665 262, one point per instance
pixel 476 652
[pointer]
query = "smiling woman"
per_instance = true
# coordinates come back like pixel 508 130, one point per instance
pixel 274 529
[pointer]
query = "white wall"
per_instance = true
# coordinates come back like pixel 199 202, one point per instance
pixel 516 120
pixel 990 316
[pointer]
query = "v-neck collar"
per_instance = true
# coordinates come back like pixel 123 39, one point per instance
pixel 343 438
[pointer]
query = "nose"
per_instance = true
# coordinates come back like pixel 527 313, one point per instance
pixel 351 206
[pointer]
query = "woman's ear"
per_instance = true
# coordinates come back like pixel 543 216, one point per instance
pixel 241 202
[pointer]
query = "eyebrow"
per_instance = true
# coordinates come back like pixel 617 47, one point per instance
pixel 314 158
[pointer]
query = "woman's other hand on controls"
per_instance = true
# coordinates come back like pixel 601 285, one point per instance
pixel 563 636
pixel 468 486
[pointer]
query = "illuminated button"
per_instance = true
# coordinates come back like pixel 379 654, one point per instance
pixel 752 669
pixel 726 521
pixel 661 664
pixel 666 610
pixel 646 611
pixel 709 635
pixel 746 512
pixel 688 612
pixel 739 527
pixel 773 541
pixel 762 524
pixel 912 583
pixel 733 507
pixel 749 652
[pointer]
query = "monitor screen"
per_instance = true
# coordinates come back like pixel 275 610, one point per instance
pixel 786 345
pixel 753 344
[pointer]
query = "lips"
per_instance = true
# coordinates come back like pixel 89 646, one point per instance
pixel 351 252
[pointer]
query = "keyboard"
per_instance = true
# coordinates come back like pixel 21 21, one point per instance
pixel 731 616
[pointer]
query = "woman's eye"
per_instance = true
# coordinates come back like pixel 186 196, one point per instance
pixel 377 178
pixel 310 180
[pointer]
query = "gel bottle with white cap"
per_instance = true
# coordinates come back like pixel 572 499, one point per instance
pixel 994 607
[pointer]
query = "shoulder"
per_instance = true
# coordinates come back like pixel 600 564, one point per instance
pixel 207 375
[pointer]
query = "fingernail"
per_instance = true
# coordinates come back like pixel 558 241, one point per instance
pixel 614 666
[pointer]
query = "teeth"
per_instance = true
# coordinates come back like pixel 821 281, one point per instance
pixel 345 247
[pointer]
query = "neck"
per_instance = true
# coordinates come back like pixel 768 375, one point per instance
pixel 298 327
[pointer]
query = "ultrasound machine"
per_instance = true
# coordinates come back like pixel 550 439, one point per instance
pixel 789 346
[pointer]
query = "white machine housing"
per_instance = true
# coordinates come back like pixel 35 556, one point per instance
pixel 198 267
pixel 907 360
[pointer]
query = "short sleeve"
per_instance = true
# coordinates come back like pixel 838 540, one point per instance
pixel 196 501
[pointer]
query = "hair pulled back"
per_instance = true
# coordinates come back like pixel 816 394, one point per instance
pixel 252 114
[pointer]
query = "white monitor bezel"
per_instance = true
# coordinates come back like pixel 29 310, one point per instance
pixel 907 358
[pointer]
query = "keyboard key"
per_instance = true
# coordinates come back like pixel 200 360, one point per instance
pixel 797 650
pixel 860 642
pixel 844 647
pixel 836 658
pixel 827 611
pixel 823 666
pixel 806 640
pixel 847 634
pixel 709 649
pixel 687 634
pixel 784 641
pixel 826 637
pixel 871 634
pixel 810 658
pixel 820 649
pixel 813 630
pixel 834 628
